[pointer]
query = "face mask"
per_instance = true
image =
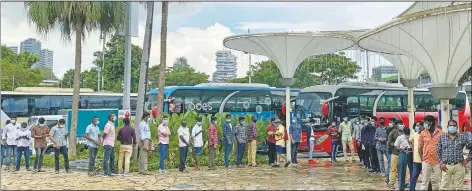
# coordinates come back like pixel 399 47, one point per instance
pixel 165 122
pixel 401 126
pixel 345 119
pixel 184 125
pixel 13 122
pixel 452 129
pixel 372 123
pixel 214 122
pixel 98 122
pixel 199 123
pixel 228 120
pixel 390 124
pixel 417 129
pixel 243 123
pixel 333 124
pixel 60 126
pixel 426 126
pixel 114 118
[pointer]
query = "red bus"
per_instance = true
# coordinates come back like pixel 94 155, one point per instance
pixel 357 99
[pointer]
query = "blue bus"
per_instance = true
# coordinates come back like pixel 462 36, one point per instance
pixel 211 98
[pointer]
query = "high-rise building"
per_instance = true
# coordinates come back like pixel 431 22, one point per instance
pixel 14 49
pixel 45 59
pixel 225 66
pixel 386 71
pixel 180 62
pixel 30 45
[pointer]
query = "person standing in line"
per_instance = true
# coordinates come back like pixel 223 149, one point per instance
pixel 402 144
pixel 467 128
pixel 241 140
pixel 39 133
pixel 163 136
pixel 23 137
pixel 4 147
pixel 345 128
pixel 357 136
pixel 295 136
pixel 428 139
pixel 9 140
pixel 391 123
pixel 450 154
pixel 252 140
pixel 144 143
pixel 312 139
pixel 394 157
pixel 127 138
pixel 372 146
pixel 333 133
pixel 184 139
pixel 92 134
pixel 365 143
pixel 414 135
pixel 280 143
pixel 109 146
pixel 197 135
pixel 59 135
pixel 212 143
pixel 271 130
pixel 228 139
pixel 381 144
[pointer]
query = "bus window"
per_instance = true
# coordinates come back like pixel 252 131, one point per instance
pixel 459 102
pixel 425 102
pixel 366 98
pixel 248 101
pixel 393 101
pixel 202 101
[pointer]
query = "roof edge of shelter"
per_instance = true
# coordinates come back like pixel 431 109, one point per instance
pixel 334 34
pixel 414 16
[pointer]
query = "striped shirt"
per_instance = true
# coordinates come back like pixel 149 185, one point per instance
pixel 212 135
pixel 240 133
pixel 451 150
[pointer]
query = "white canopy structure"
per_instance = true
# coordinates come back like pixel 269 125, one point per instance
pixel 288 50
pixel 439 39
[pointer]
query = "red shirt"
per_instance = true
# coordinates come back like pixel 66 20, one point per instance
pixel 284 109
pixel 333 133
pixel 271 138
pixel 467 127
pixel 212 135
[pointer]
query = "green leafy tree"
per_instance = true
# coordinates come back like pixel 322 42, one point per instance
pixel 79 18
pixel 16 71
pixel 181 76
pixel 67 80
pixel 323 69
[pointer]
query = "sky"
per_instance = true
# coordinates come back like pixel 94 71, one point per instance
pixel 196 29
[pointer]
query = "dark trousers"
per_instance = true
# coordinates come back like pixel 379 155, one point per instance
pixel 38 161
pixel 182 157
pixel 92 156
pixel 414 175
pixel 241 149
pixel 20 151
pixel 62 150
pixel 367 155
pixel 374 161
pixel 334 150
pixel 211 160
pixel 295 152
pixel 228 148
pixel 108 160
pixel 3 150
pixel 360 152
pixel 272 153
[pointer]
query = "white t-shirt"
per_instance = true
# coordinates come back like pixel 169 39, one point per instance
pixel 183 131
pixel 197 140
pixel 312 138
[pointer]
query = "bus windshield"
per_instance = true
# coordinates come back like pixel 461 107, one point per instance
pixel 308 105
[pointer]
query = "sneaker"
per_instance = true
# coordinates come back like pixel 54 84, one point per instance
pixel 271 164
pixel 287 164
pixel 114 174
pixel 106 176
pixel 228 167
pixel 57 172
pixel 162 171
pixel 184 170
pixel 127 174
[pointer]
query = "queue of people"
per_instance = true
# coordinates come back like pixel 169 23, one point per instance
pixel 423 149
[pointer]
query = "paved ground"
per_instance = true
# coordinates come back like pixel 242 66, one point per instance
pixel 321 176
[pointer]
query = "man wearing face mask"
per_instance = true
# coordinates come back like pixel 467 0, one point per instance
pixel 345 128
pixel 228 139
pixel 184 139
pixel 23 136
pixel 381 144
pixel 333 133
pixel 127 138
pixel 394 157
pixel 9 139
pixel 366 136
pixel 271 130
pixel 241 140
pixel 374 161
pixel 295 132
pixel 197 136
pixel 39 133
pixel 252 141
pixel 357 136
pixel 59 135
pixel 212 143
pixel 163 136
pixel 414 136
pixel 109 146
pixel 450 155
pixel 427 141
pixel 92 134
pixel 144 143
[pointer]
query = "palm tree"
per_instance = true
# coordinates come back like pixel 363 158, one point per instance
pixel 162 63
pixel 80 18
pixel 144 67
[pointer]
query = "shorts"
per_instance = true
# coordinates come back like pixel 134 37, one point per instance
pixel 198 150
pixel 279 149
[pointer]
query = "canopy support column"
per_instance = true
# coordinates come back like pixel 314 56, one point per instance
pixel 444 92
pixel 287 82
pixel 410 83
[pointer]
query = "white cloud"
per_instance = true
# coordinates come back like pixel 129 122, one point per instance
pixel 373 14
pixel 284 26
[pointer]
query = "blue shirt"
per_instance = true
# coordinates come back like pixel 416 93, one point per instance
pixel 93 131
pixel 368 133
pixel 296 131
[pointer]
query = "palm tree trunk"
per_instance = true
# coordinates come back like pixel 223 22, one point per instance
pixel 143 69
pixel 76 96
pixel 162 79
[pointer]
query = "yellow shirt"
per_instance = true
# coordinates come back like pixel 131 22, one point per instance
pixel 279 136
pixel 416 154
